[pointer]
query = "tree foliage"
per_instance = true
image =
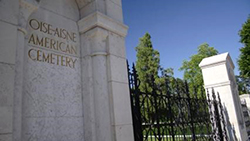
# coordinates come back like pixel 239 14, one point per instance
pixel 147 63
pixel 243 85
pixel 148 68
pixel 192 71
pixel 244 58
pixel 167 78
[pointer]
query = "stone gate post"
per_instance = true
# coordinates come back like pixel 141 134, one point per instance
pixel 106 101
pixel 218 73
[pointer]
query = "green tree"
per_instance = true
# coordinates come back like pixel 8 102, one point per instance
pixel 192 71
pixel 147 63
pixel 244 58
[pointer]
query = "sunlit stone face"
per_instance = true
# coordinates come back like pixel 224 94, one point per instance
pixel 52 101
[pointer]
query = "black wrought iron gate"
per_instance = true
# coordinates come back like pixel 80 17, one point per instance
pixel 174 115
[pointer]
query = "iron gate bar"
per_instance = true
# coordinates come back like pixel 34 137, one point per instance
pixel 170 110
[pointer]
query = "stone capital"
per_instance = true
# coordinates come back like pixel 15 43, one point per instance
pixel 216 60
pixel 98 38
pixel 97 32
pixel 98 19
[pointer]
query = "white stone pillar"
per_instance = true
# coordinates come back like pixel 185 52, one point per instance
pixel 218 73
pixel 106 101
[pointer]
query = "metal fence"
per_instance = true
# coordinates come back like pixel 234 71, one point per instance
pixel 173 114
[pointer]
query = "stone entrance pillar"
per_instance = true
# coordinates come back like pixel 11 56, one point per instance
pixel 218 73
pixel 106 104
pixel 63 74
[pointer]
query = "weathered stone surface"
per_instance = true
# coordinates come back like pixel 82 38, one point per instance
pixel 51 91
pixel 6 120
pixel 9 11
pixel 7 85
pixel 124 133
pixel 116 45
pixel 6 101
pixel 53 129
pixel 114 11
pixel 8 43
pixel 65 8
pixel 52 95
pixel 121 103
pixel 93 6
pixel 118 74
pixel 6 137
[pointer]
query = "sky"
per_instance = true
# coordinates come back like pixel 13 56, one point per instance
pixel 178 27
